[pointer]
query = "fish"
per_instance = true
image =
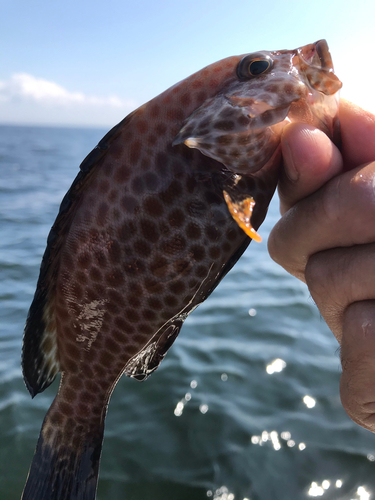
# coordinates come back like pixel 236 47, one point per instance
pixel 160 211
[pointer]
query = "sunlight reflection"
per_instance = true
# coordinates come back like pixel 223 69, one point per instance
pixel 326 484
pixel 309 401
pixel 252 312
pixel 203 409
pixel 179 409
pixel 221 494
pixel 275 440
pixel 277 365
pixel 326 487
pixel 273 436
pixel 317 490
pixel 286 435
pixel 362 493
pixel 181 404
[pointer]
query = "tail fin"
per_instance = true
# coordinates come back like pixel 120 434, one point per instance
pixel 66 461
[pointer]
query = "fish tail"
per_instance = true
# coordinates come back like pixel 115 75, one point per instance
pixel 66 461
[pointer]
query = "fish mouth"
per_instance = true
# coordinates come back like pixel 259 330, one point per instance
pixel 317 54
pixel 324 54
pixel 315 61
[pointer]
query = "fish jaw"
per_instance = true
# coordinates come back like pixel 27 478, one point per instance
pixel 242 125
pixel 315 62
pixel 320 105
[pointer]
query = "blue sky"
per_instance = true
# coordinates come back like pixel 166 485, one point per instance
pixel 90 62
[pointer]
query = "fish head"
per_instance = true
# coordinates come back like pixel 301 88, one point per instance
pixel 242 124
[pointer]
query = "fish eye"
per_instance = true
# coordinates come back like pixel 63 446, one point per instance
pixel 251 66
pixel 258 67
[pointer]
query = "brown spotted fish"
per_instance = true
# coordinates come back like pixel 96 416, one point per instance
pixel 158 214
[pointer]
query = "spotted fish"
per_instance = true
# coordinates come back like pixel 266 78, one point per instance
pixel 160 211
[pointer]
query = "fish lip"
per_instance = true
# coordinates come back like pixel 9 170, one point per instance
pixel 324 54
pixel 315 64
pixel 317 50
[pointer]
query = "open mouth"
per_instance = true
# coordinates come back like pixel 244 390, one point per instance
pixel 324 54
pixel 316 55
pixel 316 63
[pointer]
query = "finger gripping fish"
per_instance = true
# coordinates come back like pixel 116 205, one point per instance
pixel 160 211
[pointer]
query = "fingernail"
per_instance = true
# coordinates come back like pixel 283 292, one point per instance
pixel 289 166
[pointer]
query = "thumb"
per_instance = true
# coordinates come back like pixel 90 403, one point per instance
pixel 310 159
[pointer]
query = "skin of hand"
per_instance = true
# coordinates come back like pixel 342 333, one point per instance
pixel 326 238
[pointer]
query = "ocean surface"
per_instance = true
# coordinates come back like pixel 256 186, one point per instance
pixel 245 405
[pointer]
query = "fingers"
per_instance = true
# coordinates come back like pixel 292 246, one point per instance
pixel 341 282
pixel 358 132
pixel 310 159
pixel 357 388
pixel 341 213
pixel 326 238
pixel 339 277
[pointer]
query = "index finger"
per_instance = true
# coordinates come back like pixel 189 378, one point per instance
pixel 340 214
pixel 310 160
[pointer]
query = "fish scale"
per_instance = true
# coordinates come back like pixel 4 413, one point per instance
pixel 156 217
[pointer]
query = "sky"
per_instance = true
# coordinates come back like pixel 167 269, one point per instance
pixel 90 62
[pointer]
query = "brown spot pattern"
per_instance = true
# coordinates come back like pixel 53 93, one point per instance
pixel 152 232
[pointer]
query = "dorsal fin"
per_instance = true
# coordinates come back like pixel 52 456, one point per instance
pixel 40 362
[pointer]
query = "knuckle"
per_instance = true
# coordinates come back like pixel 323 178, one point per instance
pixel 357 397
pixel 363 192
pixel 272 245
pixel 351 194
pixel 279 247
pixel 323 276
pixel 326 291
pixel 331 202
pixel 316 273
pixel 330 275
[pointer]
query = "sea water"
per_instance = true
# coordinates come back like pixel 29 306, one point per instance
pixel 246 403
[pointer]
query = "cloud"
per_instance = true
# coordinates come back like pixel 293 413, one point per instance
pixel 25 86
pixel 25 98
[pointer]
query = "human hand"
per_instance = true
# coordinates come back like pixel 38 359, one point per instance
pixel 326 238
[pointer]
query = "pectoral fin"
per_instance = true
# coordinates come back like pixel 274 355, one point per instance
pixel 150 356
